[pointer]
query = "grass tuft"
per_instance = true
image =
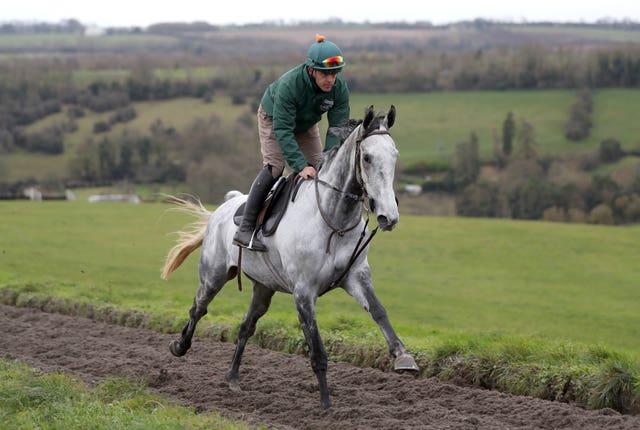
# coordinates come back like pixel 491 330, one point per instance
pixel 616 386
pixel 30 399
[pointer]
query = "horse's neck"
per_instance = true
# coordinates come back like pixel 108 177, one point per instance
pixel 340 174
pixel 342 166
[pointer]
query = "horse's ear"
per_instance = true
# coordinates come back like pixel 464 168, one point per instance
pixel 369 114
pixel 391 116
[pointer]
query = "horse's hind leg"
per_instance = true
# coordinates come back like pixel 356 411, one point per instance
pixel 211 282
pixel 260 302
pixel 360 286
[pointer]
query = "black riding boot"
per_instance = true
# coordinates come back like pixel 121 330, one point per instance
pixel 245 237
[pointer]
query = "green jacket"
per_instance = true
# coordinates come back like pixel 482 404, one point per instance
pixel 295 103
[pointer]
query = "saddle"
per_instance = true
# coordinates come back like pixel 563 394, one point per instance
pixel 274 206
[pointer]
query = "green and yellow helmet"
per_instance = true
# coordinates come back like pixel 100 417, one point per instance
pixel 324 55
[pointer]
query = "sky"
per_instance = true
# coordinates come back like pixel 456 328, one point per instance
pixel 141 13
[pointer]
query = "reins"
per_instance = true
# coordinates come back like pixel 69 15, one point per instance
pixel 356 252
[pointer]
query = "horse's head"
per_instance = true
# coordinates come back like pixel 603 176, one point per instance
pixel 376 156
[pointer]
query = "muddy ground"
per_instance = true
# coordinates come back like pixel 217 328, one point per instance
pixel 278 390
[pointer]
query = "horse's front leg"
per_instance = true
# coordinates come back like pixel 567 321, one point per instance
pixel 305 304
pixel 360 286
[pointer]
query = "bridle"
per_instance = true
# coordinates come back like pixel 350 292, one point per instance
pixel 358 166
pixel 356 197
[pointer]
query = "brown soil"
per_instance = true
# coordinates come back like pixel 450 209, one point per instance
pixel 278 390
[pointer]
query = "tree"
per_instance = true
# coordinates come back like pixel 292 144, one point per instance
pixel 610 150
pixel 125 167
pixel 578 127
pixel 480 199
pixel 508 133
pixel 466 164
pixel 106 159
pixel 84 164
pixel 527 141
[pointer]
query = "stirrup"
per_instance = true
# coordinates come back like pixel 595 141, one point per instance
pixel 261 248
pixel 250 244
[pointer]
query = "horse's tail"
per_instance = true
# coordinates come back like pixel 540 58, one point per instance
pixel 188 240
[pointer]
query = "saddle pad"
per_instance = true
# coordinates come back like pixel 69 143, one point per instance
pixel 274 206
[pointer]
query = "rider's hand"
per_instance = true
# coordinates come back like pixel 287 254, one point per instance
pixel 307 173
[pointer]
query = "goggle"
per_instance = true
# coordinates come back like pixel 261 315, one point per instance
pixel 335 61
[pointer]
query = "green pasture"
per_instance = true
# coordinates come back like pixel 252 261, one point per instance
pixel 437 276
pixel 531 306
pixel 85 77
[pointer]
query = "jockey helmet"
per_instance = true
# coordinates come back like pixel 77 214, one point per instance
pixel 324 55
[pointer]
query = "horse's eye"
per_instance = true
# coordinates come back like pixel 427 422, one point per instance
pixel 366 158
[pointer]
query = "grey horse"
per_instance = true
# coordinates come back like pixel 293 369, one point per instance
pixel 318 246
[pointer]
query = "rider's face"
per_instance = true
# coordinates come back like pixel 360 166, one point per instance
pixel 325 79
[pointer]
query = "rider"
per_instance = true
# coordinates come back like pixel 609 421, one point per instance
pixel 288 118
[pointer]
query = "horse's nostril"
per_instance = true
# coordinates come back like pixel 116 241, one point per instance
pixel 385 223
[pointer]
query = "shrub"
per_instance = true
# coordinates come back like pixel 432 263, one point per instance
pixel 48 141
pixel 601 214
pixel 124 114
pixel 75 112
pixel 576 215
pixel 101 127
pixel 578 127
pixel 555 214
pixel 478 200
pixel 610 150
pixel 626 208
pixel 530 198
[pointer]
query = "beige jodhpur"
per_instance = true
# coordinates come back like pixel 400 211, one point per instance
pixel 308 141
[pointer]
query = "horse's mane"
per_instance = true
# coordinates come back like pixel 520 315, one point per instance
pixel 343 132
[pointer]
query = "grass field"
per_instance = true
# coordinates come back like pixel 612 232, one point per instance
pixel 553 300
pixel 437 276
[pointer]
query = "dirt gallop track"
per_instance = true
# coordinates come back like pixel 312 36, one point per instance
pixel 279 390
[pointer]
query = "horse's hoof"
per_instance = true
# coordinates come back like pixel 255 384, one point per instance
pixel 405 362
pixel 325 404
pixel 234 384
pixel 176 348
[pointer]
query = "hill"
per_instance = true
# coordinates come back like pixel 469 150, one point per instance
pixel 176 104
